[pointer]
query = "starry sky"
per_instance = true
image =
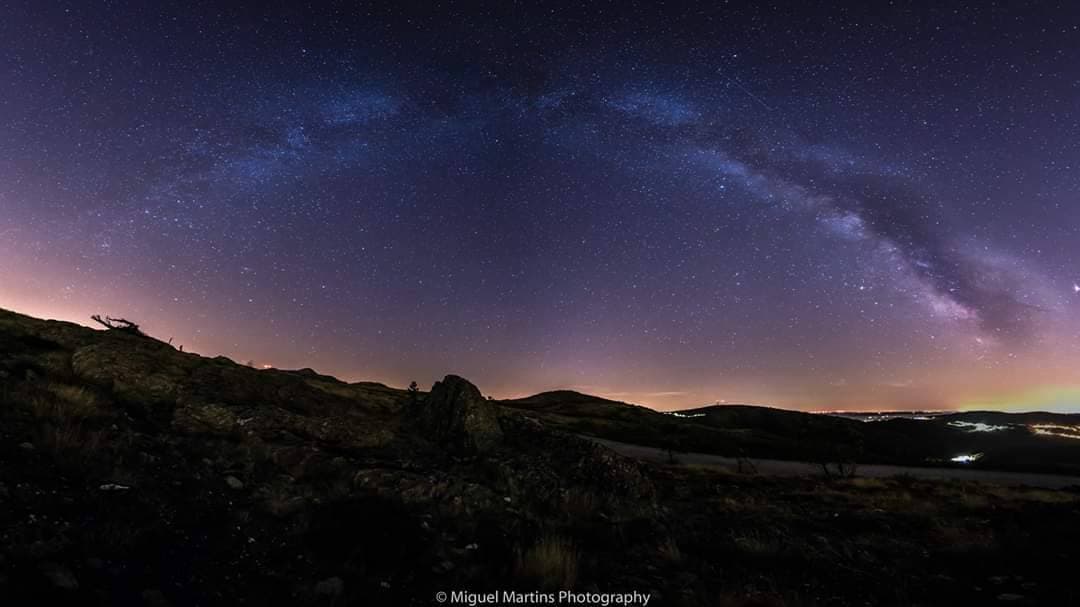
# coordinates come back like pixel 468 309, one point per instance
pixel 847 206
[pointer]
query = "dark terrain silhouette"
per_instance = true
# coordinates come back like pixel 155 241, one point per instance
pixel 135 474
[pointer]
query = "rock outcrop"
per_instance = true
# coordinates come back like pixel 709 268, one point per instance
pixel 457 417
pixel 139 371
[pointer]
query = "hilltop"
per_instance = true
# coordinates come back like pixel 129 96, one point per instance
pixel 135 474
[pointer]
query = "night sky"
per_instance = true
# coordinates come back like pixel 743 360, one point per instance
pixel 856 207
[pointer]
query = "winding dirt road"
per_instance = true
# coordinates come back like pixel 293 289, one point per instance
pixel 793 468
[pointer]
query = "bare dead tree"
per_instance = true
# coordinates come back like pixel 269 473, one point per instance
pixel 118 324
pixel 841 460
pixel 673 445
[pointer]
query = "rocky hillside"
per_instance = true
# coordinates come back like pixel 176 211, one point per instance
pixel 135 474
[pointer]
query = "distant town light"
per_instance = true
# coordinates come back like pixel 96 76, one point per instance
pixel 1056 430
pixel 978 426
pixel 967 458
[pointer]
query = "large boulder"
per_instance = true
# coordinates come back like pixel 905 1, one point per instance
pixel 456 416
pixel 139 371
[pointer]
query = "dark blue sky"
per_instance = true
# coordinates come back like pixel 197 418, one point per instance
pixel 828 206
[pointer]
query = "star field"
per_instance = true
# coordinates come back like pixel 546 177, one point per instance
pixel 828 207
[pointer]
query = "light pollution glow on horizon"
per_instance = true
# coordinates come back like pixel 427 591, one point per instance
pixel 881 212
pixel 33 302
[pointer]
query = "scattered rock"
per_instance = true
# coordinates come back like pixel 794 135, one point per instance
pixel 1010 597
pixel 234 483
pixel 113 487
pixel 26 446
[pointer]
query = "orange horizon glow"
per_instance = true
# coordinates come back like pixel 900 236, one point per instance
pixel 1053 397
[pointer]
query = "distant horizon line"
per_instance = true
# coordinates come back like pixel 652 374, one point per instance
pixel 717 403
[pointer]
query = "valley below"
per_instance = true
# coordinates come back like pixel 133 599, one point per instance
pixel 776 467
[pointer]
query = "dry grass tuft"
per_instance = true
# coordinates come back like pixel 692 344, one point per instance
pixel 901 500
pixel 755 542
pixel 61 402
pixel 63 411
pixel 70 442
pixel 551 564
pixel 579 504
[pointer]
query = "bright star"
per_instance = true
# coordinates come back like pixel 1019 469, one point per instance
pixel 1076 288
